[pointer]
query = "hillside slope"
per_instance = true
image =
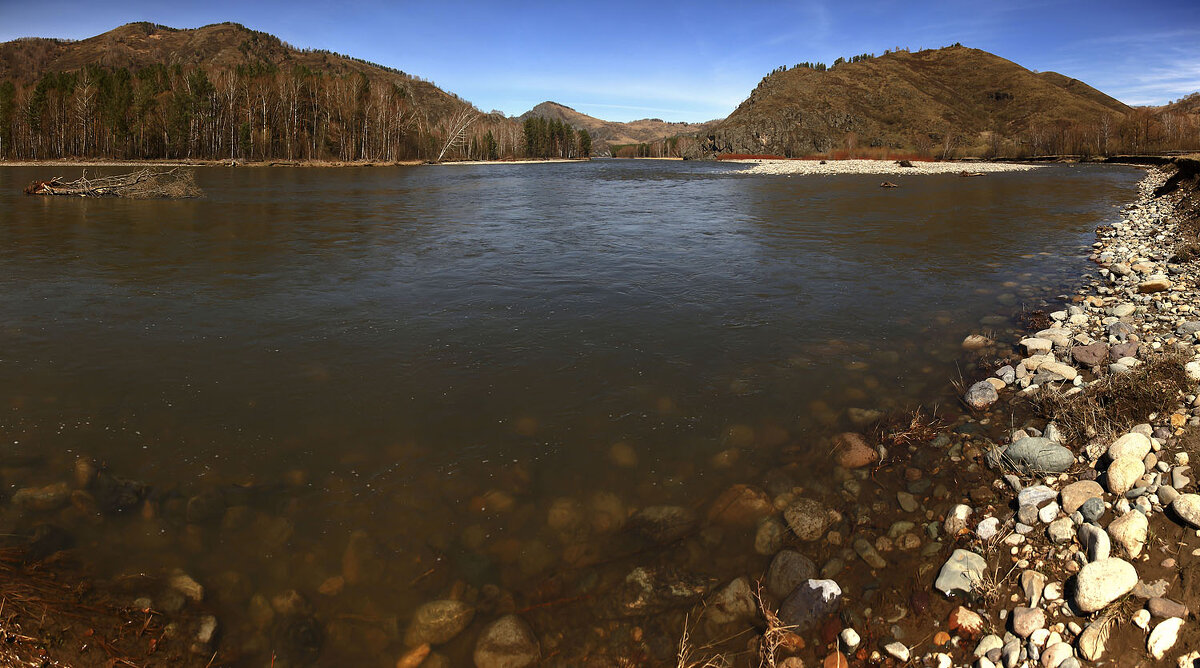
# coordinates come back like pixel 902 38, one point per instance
pixel 226 91
pixel 909 100
pixel 611 132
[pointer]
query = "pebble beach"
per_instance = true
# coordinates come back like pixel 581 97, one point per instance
pixel 889 167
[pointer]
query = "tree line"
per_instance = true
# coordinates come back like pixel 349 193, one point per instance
pixel 553 138
pixel 252 112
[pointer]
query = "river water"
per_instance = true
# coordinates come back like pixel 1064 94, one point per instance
pixel 427 358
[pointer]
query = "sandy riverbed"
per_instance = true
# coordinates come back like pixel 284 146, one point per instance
pixel 815 167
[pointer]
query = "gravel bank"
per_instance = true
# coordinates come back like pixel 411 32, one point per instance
pixel 890 167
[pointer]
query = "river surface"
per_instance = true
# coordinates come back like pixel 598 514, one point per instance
pixel 431 356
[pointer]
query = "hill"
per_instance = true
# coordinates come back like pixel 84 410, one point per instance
pixel 930 101
pixel 225 91
pixel 610 133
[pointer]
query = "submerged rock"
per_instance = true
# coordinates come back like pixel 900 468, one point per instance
pixel 437 622
pixel 809 603
pixel 981 396
pixel 788 569
pixel 663 524
pixel 651 590
pixel 808 518
pixel 43 499
pixel 507 642
pixel 851 451
pixel 733 603
pixel 740 505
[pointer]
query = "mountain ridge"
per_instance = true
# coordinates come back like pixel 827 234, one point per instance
pixel 911 100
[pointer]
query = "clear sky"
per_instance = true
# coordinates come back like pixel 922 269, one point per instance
pixel 692 61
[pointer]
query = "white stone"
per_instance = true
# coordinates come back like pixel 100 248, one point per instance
pixel 1103 581
pixel 1123 473
pixel 1163 637
pixel 897 650
pixel 1132 445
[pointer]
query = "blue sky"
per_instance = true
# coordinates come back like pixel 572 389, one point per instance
pixel 674 60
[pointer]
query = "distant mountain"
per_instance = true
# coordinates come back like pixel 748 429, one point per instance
pixel 611 132
pixel 225 91
pixel 916 100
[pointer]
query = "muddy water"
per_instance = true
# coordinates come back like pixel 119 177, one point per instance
pixel 428 358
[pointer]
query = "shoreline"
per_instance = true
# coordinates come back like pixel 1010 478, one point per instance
pixel 1089 566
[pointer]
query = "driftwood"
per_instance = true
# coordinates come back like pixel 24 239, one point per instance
pixel 888 184
pixel 142 184
pixel 964 173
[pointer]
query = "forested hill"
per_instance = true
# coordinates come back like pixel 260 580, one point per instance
pixel 954 100
pixel 226 92
pixel 613 133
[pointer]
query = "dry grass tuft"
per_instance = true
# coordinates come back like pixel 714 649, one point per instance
pixel 1118 401
pixel 910 430
pixel 690 656
pixel 773 637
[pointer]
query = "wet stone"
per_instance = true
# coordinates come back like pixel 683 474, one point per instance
pixel 663 524
pixel 43 499
pixel 788 569
pixel 733 603
pixel 437 622
pixel 651 590
pixel 981 395
pixel 869 554
pixel 811 602
pixel 808 519
pixel 769 536
pixel 206 634
pixel 1163 608
pixel 851 451
pixel 117 495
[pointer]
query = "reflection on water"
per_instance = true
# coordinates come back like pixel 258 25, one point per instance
pixel 431 359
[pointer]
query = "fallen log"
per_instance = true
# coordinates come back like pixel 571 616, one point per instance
pixel 143 184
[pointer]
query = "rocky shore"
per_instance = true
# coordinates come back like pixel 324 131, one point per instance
pixel 888 167
pixel 1087 553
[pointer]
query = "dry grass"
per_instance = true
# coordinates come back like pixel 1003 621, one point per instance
pixel 910 429
pixel 696 656
pixel 774 635
pixel 1118 401
pixel 989 588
